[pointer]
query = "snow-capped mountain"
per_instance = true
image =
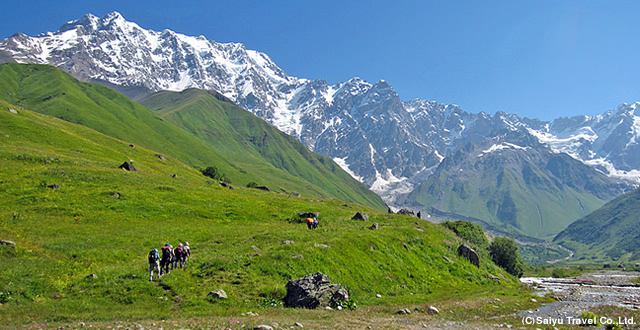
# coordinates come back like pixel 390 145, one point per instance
pixel 388 144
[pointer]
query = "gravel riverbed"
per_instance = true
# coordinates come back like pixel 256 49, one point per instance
pixel 583 293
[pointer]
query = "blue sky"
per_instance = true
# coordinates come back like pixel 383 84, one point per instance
pixel 539 59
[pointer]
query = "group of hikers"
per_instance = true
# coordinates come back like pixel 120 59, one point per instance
pixel 171 258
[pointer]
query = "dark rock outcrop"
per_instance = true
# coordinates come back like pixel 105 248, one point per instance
pixel 406 212
pixel 314 291
pixel 127 167
pixel 361 216
pixel 466 251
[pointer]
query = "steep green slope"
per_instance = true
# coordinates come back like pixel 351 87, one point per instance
pixel 103 221
pixel 526 190
pixel 612 232
pixel 252 142
pixel 50 91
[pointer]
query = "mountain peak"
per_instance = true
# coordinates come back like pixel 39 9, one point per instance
pixel 88 20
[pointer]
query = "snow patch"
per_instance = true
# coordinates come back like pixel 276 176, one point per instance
pixel 503 146
pixel 342 162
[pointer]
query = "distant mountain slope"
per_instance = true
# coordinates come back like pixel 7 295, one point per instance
pixel 611 232
pixel 50 91
pixel 512 181
pixel 249 141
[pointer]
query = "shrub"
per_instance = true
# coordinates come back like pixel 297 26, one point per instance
pixel 468 231
pixel 504 253
pixel 214 173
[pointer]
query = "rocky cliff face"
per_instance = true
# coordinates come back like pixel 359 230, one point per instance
pixel 388 144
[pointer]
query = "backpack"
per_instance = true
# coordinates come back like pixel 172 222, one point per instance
pixel 179 252
pixel 153 257
pixel 166 253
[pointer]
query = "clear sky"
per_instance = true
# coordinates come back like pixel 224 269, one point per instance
pixel 539 59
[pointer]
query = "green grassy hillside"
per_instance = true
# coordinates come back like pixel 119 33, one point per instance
pixel 50 91
pixel 611 233
pixel 103 221
pixel 251 142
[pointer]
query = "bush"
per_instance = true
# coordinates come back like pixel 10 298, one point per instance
pixel 468 231
pixel 214 173
pixel 504 253
pixel 252 184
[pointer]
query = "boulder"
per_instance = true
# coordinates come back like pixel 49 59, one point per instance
pixel 127 167
pixel 466 251
pixel 374 226
pixel 313 291
pixel 406 212
pixel 265 188
pixel 161 157
pixel 7 243
pixel 54 186
pixel 226 185
pixel 308 214
pixel 361 216
pixel 432 310
pixel 218 294
pixel 263 327
pixel 404 311
pixel 12 110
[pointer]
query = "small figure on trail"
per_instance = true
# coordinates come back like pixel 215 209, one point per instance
pixel 312 223
pixel 167 258
pixel 154 263
pixel 179 256
pixel 187 249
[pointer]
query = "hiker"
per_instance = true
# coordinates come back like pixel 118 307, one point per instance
pixel 187 249
pixel 179 256
pixel 312 223
pixel 167 258
pixel 154 263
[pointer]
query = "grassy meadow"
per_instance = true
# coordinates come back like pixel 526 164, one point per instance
pixel 103 221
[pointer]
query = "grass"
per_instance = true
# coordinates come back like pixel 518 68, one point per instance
pixel 65 235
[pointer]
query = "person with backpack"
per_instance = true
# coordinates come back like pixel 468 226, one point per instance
pixel 187 249
pixel 179 256
pixel 154 263
pixel 167 259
